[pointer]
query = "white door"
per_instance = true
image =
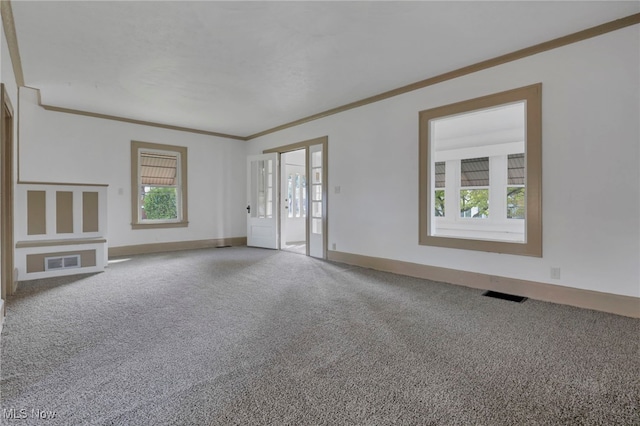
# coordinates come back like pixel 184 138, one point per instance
pixel 262 184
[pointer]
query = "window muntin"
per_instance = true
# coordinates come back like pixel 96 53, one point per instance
pixel 488 151
pixel 158 185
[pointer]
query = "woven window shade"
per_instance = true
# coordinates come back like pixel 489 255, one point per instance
pixel 158 169
pixel 516 169
pixel 474 172
pixel 440 174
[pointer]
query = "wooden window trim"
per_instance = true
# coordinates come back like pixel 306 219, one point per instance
pixel 533 147
pixel 136 223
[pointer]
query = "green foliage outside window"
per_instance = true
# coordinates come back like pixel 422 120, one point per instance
pixel 160 203
pixel 474 203
pixel 515 202
pixel 439 203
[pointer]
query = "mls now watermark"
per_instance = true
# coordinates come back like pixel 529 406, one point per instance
pixel 23 414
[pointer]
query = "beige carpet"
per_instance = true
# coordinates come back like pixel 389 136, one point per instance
pixel 247 336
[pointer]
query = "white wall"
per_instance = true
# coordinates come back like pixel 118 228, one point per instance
pixel 591 158
pixel 60 147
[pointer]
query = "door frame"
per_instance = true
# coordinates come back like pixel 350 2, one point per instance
pixel 6 183
pixel 324 141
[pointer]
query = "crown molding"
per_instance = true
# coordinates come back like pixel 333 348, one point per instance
pixel 130 120
pixel 12 40
pixel 9 26
pixel 140 122
pixel 470 69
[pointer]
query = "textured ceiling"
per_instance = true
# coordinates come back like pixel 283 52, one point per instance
pixel 244 67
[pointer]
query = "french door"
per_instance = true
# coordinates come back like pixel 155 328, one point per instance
pixel 262 190
pixel 264 199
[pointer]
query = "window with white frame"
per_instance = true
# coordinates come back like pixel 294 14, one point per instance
pixel 296 195
pixel 474 187
pixel 481 185
pixel 158 185
pixel 515 186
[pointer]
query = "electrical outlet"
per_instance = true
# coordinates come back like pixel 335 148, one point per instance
pixel 337 189
pixel 555 272
pixel 333 246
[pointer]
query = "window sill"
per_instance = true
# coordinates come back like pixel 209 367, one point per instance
pixel 183 224
pixel 509 237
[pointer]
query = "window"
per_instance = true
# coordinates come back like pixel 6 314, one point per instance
pixel 438 199
pixel 474 187
pixel 296 195
pixel 480 174
pixel 515 186
pixel 316 192
pixel 158 185
pixel 261 189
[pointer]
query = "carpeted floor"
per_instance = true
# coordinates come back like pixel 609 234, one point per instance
pixel 248 336
pixel 299 247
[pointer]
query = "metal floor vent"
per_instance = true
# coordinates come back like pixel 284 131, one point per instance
pixel 504 296
pixel 61 262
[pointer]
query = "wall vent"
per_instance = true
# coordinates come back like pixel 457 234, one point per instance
pixel 61 262
pixel 504 296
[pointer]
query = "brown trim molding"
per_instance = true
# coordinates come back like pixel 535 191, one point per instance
pixel 175 246
pixel 61 242
pixel 130 120
pixel 7 214
pixel 298 145
pixel 136 223
pixel 12 40
pixel 61 183
pixel 533 147
pixel 605 302
pixel 324 141
pixel 139 122
pixel 470 69
pixel 161 225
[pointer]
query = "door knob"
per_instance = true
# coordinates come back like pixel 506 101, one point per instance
pixel 248 209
